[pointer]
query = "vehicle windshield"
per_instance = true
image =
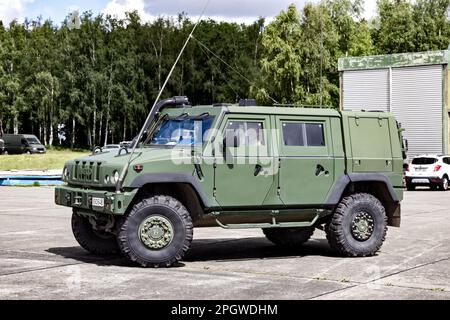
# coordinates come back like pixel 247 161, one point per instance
pixel 424 161
pixel 183 131
pixel 33 140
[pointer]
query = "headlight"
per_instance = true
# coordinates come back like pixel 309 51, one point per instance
pixel 66 173
pixel 34 149
pixel 116 176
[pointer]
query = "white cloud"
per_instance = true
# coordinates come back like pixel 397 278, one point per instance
pixel 240 11
pixel 10 10
pixel 118 8
pixel 370 9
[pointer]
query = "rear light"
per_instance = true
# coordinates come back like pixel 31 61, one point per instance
pixel 437 168
pixel 407 168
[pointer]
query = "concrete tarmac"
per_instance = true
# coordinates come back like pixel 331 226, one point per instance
pixel 39 259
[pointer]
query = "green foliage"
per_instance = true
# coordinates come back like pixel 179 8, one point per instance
pixel 100 80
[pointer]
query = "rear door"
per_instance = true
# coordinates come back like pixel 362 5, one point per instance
pixel 307 162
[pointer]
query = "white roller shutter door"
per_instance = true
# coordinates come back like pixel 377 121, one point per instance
pixel 417 104
pixel 366 90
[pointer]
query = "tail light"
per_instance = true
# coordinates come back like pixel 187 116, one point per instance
pixel 437 168
pixel 407 168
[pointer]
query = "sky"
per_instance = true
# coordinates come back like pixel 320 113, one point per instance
pixel 241 11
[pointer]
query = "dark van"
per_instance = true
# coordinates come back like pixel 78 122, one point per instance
pixel 22 143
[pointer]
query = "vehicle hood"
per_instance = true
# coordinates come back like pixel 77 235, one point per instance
pixel 97 169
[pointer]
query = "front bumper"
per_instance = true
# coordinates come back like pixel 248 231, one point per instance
pixel 114 203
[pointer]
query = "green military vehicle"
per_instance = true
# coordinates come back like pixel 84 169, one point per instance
pixel 287 171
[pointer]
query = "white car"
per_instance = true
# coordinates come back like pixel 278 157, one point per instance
pixel 429 171
pixel 111 147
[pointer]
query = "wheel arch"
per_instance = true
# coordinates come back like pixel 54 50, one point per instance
pixel 376 184
pixel 183 187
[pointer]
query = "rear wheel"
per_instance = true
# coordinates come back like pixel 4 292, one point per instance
pixel 289 237
pixel 93 235
pixel 157 232
pixel 444 184
pixel 358 227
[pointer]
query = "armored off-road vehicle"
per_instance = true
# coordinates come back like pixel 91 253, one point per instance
pixel 287 171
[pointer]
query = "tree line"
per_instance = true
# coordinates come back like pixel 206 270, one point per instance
pixel 98 78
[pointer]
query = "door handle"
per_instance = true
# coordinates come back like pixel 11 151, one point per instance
pixel 321 170
pixel 258 170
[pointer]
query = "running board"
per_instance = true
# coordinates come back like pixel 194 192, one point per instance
pixel 272 225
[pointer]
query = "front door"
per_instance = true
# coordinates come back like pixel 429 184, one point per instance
pixel 307 162
pixel 244 170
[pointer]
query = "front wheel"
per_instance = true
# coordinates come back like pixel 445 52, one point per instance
pixel 93 235
pixel 358 227
pixel 156 233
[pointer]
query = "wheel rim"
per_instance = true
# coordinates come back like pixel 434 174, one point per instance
pixel 156 232
pixel 362 226
pixel 445 184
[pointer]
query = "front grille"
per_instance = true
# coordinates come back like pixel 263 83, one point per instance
pixel 86 171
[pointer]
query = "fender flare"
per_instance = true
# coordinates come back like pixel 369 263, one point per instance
pixel 341 184
pixel 149 178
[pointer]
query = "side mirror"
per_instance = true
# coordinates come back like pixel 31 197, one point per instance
pixel 144 136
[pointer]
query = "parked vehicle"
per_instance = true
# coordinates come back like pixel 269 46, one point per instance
pixel 428 171
pixel 341 172
pixel 22 143
pixel 111 147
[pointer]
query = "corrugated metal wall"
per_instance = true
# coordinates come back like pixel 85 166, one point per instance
pixel 366 90
pixel 415 98
pixel 417 104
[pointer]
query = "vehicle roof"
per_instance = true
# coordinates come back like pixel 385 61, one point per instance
pixel 286 111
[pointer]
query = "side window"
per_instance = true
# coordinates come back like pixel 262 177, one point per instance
pixel 446 160
pixel 293 135
pixel 303 134
pixel 244 134
pixel 314 135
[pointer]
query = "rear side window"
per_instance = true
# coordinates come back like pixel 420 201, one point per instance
pixel 303 134
pixel 424 161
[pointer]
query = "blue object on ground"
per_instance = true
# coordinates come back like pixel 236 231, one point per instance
pixel 30 181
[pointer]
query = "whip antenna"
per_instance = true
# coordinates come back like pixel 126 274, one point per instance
pixel 125 168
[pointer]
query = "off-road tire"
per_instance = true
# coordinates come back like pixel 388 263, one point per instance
pixel 96 242
pixel 289 237
pixel 443 185
pixel 339 230
pixel 172 210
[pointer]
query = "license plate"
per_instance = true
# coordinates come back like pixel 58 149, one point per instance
pixel 98 202
pixel 420 181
